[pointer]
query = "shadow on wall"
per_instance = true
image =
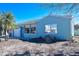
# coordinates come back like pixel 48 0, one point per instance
pixel 47 39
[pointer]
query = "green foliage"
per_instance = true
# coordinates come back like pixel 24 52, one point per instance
pixel 7 21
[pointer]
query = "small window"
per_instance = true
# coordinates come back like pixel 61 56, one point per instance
pixel 27 29
pixel 33 30
pixel 51 28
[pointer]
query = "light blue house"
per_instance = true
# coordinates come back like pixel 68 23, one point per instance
pixel 60 26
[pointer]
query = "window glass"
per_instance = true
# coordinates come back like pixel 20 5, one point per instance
pixel 51 28
pixel 33 30
pixel 26 29
pixel 47 28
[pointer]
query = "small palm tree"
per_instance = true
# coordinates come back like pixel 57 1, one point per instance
pixel 8 22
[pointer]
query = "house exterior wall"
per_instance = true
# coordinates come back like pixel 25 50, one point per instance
pixel 64 26
pixel 16 33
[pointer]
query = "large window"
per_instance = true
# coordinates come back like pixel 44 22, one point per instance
pixel 51 28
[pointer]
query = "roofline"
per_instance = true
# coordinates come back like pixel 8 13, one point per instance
pixel 54 15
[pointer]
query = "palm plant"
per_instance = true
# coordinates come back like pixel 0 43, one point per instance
pixel 8 22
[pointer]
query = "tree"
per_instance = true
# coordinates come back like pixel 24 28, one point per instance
pixel 9 22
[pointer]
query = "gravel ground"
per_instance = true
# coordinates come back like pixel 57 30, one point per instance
pixel 15 47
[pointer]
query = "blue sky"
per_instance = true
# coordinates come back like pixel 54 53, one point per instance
pixel 27 11
pixel 24 12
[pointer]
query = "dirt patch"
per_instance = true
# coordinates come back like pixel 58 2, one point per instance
pixel 15 47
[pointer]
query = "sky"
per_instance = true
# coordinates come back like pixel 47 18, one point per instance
pixel 30 11
pixel 24 12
